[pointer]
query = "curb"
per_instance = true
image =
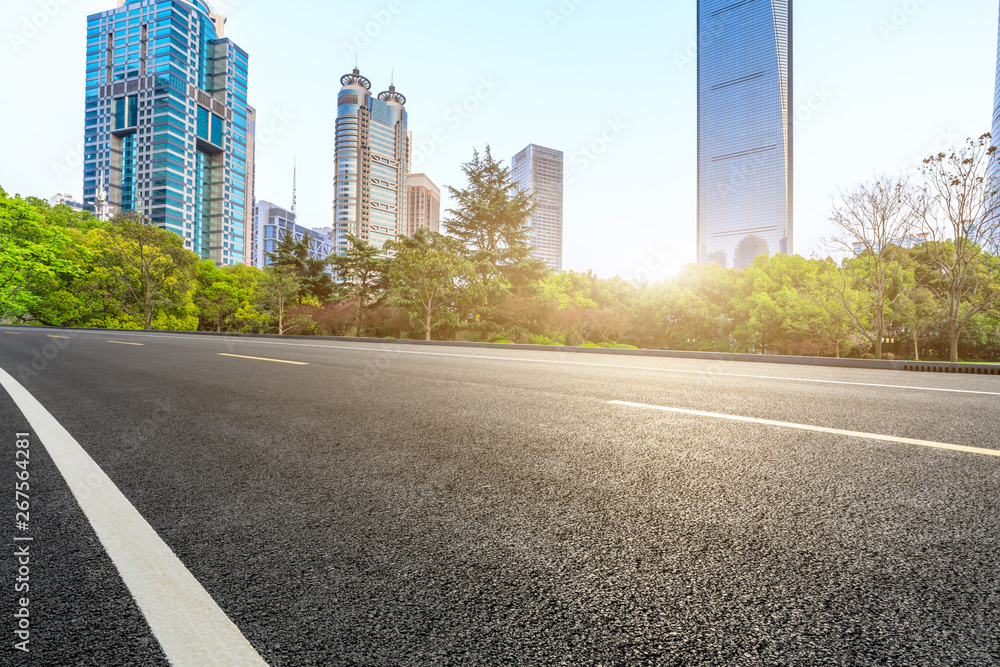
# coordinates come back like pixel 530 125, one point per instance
pixel 912 366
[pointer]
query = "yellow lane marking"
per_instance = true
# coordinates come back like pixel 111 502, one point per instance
pixel 11 333
pixel 65 337
pixel 277 361
pixel 118 342
pixel 818 429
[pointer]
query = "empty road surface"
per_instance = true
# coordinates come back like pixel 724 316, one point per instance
pixel 200 500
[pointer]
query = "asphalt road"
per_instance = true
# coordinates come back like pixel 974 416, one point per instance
pixel 399 505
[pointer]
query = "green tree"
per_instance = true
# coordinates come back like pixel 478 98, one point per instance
pixel 915 313
pixel 872 222
pixel 276 293
pixel 430 280
pixel 314 280
pixel 960 210
pixel 491 221
pixel 224 296
pixel 35 260
pixel 151 268
pixel 362 272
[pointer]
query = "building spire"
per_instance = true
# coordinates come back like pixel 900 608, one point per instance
pixel 295 177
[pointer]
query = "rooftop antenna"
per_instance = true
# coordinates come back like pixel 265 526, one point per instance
pixel 295 176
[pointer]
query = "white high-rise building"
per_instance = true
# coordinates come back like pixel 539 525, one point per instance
pixel 538 171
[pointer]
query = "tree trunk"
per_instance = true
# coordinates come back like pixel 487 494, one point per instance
pixel 954 349
pixel 427 325
pixel 836 349
pixel 916 347
pixel 877 347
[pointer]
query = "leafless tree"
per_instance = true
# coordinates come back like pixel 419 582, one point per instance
pixel 873 223
pixel 960 207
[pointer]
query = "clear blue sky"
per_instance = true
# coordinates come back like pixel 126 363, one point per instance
pixel 890 81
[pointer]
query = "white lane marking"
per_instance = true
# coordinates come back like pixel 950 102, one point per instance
pixel 817 429
pixel 579 363
pixel 277 361
pixel 187 622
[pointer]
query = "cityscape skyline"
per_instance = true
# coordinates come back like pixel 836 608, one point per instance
pixel 603 141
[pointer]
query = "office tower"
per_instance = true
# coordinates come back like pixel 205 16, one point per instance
pixel 996 100
pixel 168 131
pixel 372 163
pixel 424 205
pixel 538 171
pixel 744 130
pixel 272 223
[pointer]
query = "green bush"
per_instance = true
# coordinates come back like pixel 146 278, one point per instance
pixel 868 355
pixel 542 340
pixel 589 344
pixel 889 356
pixel 623 346
pixel 503 341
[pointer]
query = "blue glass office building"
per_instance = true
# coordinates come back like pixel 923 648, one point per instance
pixel 995 131
pixel 744 130
pixel 166 123
pixel 372 161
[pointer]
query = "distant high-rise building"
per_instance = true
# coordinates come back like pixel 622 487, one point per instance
pixel 424 205
pixel 272 223
pixel 66 200
pixel 996 98
pixel 744 130
pixel 372 163
pixel 538 171
pixel 168 131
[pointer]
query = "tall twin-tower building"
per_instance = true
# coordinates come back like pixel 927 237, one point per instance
pixel 745 130
pixel 372 163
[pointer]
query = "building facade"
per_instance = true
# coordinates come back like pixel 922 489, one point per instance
pixel 272 223
pixel 65 200
pixel 995 127
pixel 168 130
pixel 424 205
pixel 372 163
pixel 745 130
pixel 539 171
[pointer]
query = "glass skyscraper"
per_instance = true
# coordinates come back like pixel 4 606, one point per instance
pixel 168 131
pixel 538 171
pixel 995 131
pixel 744 130
pixel 372 163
